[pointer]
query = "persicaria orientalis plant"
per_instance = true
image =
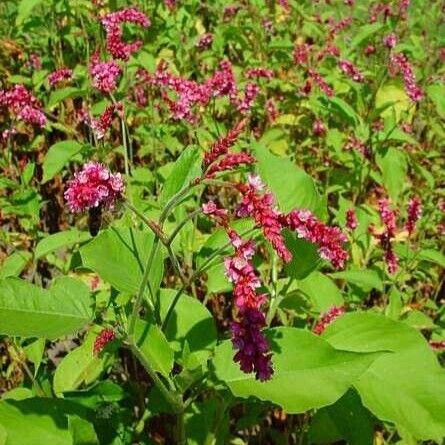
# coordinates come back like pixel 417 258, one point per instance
pixel 222 222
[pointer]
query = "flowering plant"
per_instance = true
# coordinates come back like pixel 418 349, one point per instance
pixel 222 222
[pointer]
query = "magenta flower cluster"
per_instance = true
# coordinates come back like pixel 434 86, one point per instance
pixel 252 348
pixel 105 336
pixel 260 206
pixel 350 70
pixel 104 74
pixel 328 239
pixel 113 24
pixel 400 63
pixel 60 75
pixel 23 105
pixel 327 318
pixel 385 238
pixel 191 94
pixel 205 41
pixel 93 186
pixel 414 214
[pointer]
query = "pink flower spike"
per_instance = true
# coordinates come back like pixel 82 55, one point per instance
pixel 113 22
pixel 414 214
pixel 104 74
pixel 92 187
pixel 327 318
pixel 59 76
pixel 105 336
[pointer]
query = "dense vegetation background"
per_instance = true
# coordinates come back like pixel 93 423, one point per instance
pixel 222 222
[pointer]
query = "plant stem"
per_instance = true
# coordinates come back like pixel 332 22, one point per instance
pixel 142 287
pixel 150 223
pixel 180 428
pixel 173 398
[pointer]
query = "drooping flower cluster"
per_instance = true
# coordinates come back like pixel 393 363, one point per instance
pixel 328 239
pixel 23 105
pixel 316 77
pixel 205 41
pixel 104 74
pixel 190 94
pixel 356 144
pixel 253 353
pixel 222 145
pixel 351 220
pixel 105 336
pixel 318 127
pixel 327 318
pixel 59 76
pixel 414 214
pixel 101 125
pixel 113 22
pixel 92 187
pixel 301 54
pixel 351 70
pixel 259 72
pixel 385 238
pixel 260 206
pixel 437 345
pixel 271 110
pixel 250 93
pixel 170 4
pixel 390 40
pixel 400 63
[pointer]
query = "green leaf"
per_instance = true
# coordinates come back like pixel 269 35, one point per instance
pixel 24 10
pixel 82 431
pixel 436 93
pixel 189 322
pixel 58 156
pixel 38 421
pixel 30 311
pixel 58 240
pixel 338 106
pixel 406 387
pixel 119 256
pixel 62 94
pixel 153 345
pixel 186 168
pixel 291 186
pixel 80 366
pixel 305 257
pixel 364 279
pixel 393 100
pixel 346 419
pixel 365 33
pixel 308 372
pixel 14 264
pixel 394 167
pixel 321 291
pixel 432 256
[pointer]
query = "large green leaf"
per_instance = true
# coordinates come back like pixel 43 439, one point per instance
pixel 58 156
pixel 80 366
pixel 291 186
pixel 365 279
pixel 58 240
pixel 309 373
pixel 14 264
pixel 346 419
pixel 62 94
pixel 305 257
pixel 38 421
pixel 394 167
pixel 119 256
pixel 152 344
pixel 436 93
pixel 406 387
pixel 321 291
pixel 189 322
pixel 186 168
pixel 30 311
